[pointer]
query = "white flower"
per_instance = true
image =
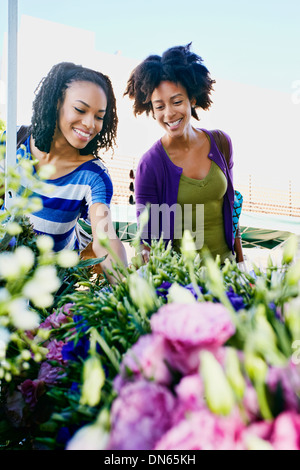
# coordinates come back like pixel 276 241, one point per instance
pixel 46 171
pixel 22 317
pixel 25 257
pixel 41 286
pixel 67 258
pixel 47 278
pixel 4 294
pixel 42 299
pixel 9 266
pixel 35 204
pixel 45 243
pixel 13 228
pixel 89 437
pixel 93 436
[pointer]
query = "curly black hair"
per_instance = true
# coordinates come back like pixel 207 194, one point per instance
pixel 51 90
pixel 178 65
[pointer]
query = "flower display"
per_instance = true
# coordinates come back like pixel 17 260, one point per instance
pixel 181 354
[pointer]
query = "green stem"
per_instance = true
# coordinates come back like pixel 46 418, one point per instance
pixel 262 400
pixel 103 344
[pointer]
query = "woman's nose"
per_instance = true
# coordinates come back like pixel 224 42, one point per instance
pixel 88 121
pixel 169 111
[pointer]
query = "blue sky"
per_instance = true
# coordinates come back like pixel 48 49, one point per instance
pixel 250 41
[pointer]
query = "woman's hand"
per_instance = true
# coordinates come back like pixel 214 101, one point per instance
pixel 102 226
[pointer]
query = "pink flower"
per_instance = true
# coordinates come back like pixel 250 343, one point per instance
pixel 188 328
pixel 55 351
pixel 250 403
pixel 202 430
pixel 56 319
pixel 146 359
pixel 140 416
pixel 283 433
pixel 286 432
pixel 190 397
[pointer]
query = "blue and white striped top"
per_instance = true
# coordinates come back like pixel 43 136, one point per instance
pixel 67 198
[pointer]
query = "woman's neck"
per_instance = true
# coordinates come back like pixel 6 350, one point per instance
pixel 183 142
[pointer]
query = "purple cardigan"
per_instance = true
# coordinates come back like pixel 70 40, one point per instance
pixel 157 182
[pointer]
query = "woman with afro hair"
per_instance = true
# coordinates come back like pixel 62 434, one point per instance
pixel 184 177
pixel 74 117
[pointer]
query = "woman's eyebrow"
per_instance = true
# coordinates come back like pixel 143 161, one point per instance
pixel 172 97
pixel 88 106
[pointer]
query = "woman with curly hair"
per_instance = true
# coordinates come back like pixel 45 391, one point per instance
pixel 184 176
pixel 74 117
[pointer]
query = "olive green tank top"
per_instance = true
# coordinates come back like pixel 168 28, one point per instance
pixel 201 203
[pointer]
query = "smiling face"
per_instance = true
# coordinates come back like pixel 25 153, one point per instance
pixel 80 117
pixel 172 108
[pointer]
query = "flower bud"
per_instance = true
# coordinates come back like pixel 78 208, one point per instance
pixel 188 247
pixel 290 249
pixel 256 367
pixel 293 274
pixel 233 373
pixel 180 295
pixel 142 293
pixel 93 381
pixel 218 393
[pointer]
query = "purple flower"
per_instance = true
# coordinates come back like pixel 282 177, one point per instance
pixel 236 300
pixel 188 328
pixel 140 416
pixel 191 288
pixel 49 374
pixel 12 242
pixel 75 350
pixel 163 289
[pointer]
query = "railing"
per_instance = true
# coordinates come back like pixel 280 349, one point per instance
pixel 284 201
pixel 259 199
